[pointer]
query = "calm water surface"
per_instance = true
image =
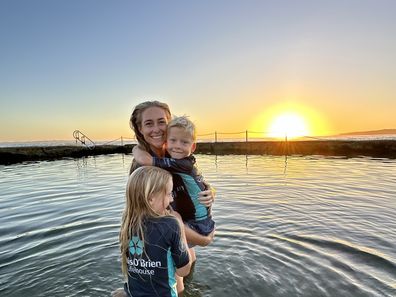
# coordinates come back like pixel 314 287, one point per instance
pixel 301 226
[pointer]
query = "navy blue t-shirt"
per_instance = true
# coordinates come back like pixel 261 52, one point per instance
pixel 152 264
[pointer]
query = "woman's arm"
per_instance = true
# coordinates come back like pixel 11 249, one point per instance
pixel 195 238
pixel 185 270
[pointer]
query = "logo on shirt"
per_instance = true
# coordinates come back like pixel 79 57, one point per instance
pixel 136 246
pixel 138 264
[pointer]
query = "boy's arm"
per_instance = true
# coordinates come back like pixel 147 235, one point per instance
pixel 184 165
pixel 141 156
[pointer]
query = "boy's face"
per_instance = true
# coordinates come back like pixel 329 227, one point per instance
pixel 180 143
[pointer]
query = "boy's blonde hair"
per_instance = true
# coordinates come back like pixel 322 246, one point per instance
pixel 142 184
pixel 184 123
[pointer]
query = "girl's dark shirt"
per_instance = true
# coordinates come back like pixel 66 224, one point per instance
pixel 152 263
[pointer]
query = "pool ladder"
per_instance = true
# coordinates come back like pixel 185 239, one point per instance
pixel 83 139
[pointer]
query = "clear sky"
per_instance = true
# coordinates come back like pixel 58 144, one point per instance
pixel 229 65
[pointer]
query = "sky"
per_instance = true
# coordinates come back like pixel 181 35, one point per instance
pixel 229 65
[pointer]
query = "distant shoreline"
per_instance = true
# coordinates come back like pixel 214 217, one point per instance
pixel 370 133
pixel 347 148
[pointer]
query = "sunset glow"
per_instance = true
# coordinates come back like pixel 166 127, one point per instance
pixel 231 70
pixel 288 125
pixel 290 118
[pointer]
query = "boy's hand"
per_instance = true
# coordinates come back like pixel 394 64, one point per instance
pixel 141 156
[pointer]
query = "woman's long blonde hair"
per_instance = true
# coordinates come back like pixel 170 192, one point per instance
pixel 142 184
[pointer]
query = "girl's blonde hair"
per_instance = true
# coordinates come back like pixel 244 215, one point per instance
pixel 142 184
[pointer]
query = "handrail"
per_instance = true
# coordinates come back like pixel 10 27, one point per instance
pixel 85 140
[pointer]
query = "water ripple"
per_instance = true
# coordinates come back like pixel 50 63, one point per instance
pixel 296 226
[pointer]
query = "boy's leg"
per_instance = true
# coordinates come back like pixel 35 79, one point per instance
pixel 193 237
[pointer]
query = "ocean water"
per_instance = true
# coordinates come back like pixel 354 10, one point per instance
pixel 201 138
pixel 295 226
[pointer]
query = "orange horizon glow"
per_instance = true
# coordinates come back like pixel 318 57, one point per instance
pixel 292 120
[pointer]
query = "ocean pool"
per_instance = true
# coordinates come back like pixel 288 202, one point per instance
pixel 286 226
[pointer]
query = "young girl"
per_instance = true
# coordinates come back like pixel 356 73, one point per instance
pixel 153 244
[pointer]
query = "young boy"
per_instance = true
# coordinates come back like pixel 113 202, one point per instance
pixel 181 143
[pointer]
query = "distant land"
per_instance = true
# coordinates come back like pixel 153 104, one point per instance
pixel 374 132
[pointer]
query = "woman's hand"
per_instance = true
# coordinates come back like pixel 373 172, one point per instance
pixel 207 197
pixel 209 238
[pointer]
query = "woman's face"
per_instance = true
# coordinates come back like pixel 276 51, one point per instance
pixel 153 127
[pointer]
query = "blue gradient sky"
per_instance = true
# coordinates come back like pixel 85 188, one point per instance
pixel 80 64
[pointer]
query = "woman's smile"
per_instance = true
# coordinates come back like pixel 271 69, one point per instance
pixel 153 127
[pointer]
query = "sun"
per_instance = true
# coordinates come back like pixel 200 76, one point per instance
pixel 288 124
pixel 289 119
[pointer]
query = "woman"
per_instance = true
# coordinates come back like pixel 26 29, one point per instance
pixel 149 121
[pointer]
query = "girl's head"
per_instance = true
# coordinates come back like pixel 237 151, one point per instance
pixel 149 191
pixel 149 122
pixel 148 194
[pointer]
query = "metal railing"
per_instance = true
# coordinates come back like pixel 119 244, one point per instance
pixel 242 136
pixel 83 139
